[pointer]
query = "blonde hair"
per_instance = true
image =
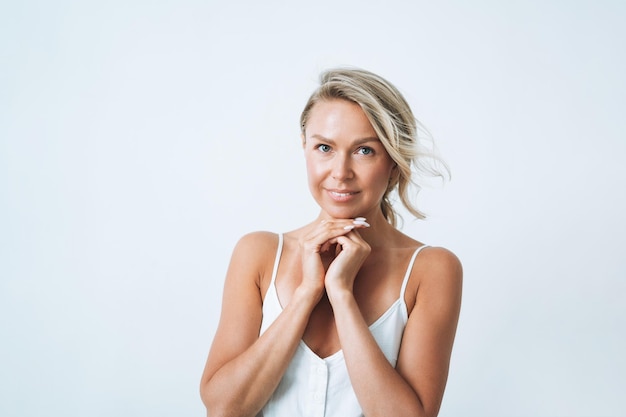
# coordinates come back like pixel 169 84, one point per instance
pixel 403 137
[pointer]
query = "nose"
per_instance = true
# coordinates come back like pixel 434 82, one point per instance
pixel 342 167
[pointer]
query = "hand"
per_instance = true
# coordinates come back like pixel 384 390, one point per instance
pixel 351 251
pixel 338 239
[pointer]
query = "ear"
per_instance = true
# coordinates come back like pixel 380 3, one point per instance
pixel 394 174
pixel 303 140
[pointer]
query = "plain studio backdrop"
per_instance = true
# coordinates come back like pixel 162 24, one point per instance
pixel 139 140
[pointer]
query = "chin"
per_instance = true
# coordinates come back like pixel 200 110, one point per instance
pixel 343 212
pixel 347 210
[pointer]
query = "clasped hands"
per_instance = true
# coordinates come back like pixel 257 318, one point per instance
pixel 332 254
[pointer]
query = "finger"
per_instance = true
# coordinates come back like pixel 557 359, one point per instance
pixel 327 230
pixel 326 246
pixel 338 226
pixel 353 242
pixel 354 236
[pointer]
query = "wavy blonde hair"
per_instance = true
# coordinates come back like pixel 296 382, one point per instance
pixel 403 137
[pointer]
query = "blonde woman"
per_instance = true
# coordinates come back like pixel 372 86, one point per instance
pixel 345 316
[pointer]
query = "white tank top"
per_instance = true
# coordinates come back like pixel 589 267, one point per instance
pixel 320 387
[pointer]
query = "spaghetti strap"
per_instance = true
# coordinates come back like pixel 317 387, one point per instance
pixel 279 252
pixel 408 271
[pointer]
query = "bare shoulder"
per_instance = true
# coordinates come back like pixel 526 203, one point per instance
pixel 440 261
pixel 257 244
pixel 439 276
pixel 255 253
pixel 433 262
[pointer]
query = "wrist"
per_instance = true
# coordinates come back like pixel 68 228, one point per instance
pixel 307 296
pixel 339 296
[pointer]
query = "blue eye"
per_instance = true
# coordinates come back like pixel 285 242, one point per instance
pixel 323 148
pixel 365 150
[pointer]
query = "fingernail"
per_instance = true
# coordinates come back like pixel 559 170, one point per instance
pixel 360 219
pixel 361 223
pixel 350 227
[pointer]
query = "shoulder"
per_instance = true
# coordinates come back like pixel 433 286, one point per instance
pixel 431 260
pixel 257 242
pixel 439 261
pixel 437 277
pixel 256 246
pixel 254 254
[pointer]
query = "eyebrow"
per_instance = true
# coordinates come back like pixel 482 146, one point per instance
pixel 356 142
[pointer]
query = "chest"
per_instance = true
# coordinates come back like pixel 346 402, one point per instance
pixel 377 288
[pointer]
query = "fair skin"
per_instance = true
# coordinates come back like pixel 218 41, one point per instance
pixel 329 284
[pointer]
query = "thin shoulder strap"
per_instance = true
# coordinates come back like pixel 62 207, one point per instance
pixel 409 269
pixel 279 252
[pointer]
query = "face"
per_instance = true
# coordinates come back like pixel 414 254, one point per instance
pixel 348 168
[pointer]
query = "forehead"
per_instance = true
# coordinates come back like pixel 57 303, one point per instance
pixel 337 119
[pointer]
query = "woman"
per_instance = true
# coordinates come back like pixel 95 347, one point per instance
pixel 346 316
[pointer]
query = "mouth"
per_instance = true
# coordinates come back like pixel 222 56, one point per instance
pixel 341 195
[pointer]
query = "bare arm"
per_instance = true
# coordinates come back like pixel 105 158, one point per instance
pixel 415 387
pixel 243 369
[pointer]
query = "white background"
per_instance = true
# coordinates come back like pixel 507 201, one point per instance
pixel 140 139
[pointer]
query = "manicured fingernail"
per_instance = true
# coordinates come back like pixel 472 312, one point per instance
pixel 361 223
pixel 360 219
pixel 350 227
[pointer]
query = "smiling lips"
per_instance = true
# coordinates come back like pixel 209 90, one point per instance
pixel 341 195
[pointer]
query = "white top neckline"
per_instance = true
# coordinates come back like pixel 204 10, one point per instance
pixel 338 355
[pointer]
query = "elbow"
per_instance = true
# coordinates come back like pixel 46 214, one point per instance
pixel 220 411
pixel 432 411
pixel 204 396
pixel 209 403
pixel 214 406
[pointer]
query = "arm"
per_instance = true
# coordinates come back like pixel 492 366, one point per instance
pixel 243 369
pixel 415 387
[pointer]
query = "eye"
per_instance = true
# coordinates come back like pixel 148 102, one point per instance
pixel 365 150
pixel 323 148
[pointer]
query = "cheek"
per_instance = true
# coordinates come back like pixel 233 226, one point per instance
pixel 315 164
pixel 382 181
pixel 313 170
pixel 382 177
pixel 309 166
